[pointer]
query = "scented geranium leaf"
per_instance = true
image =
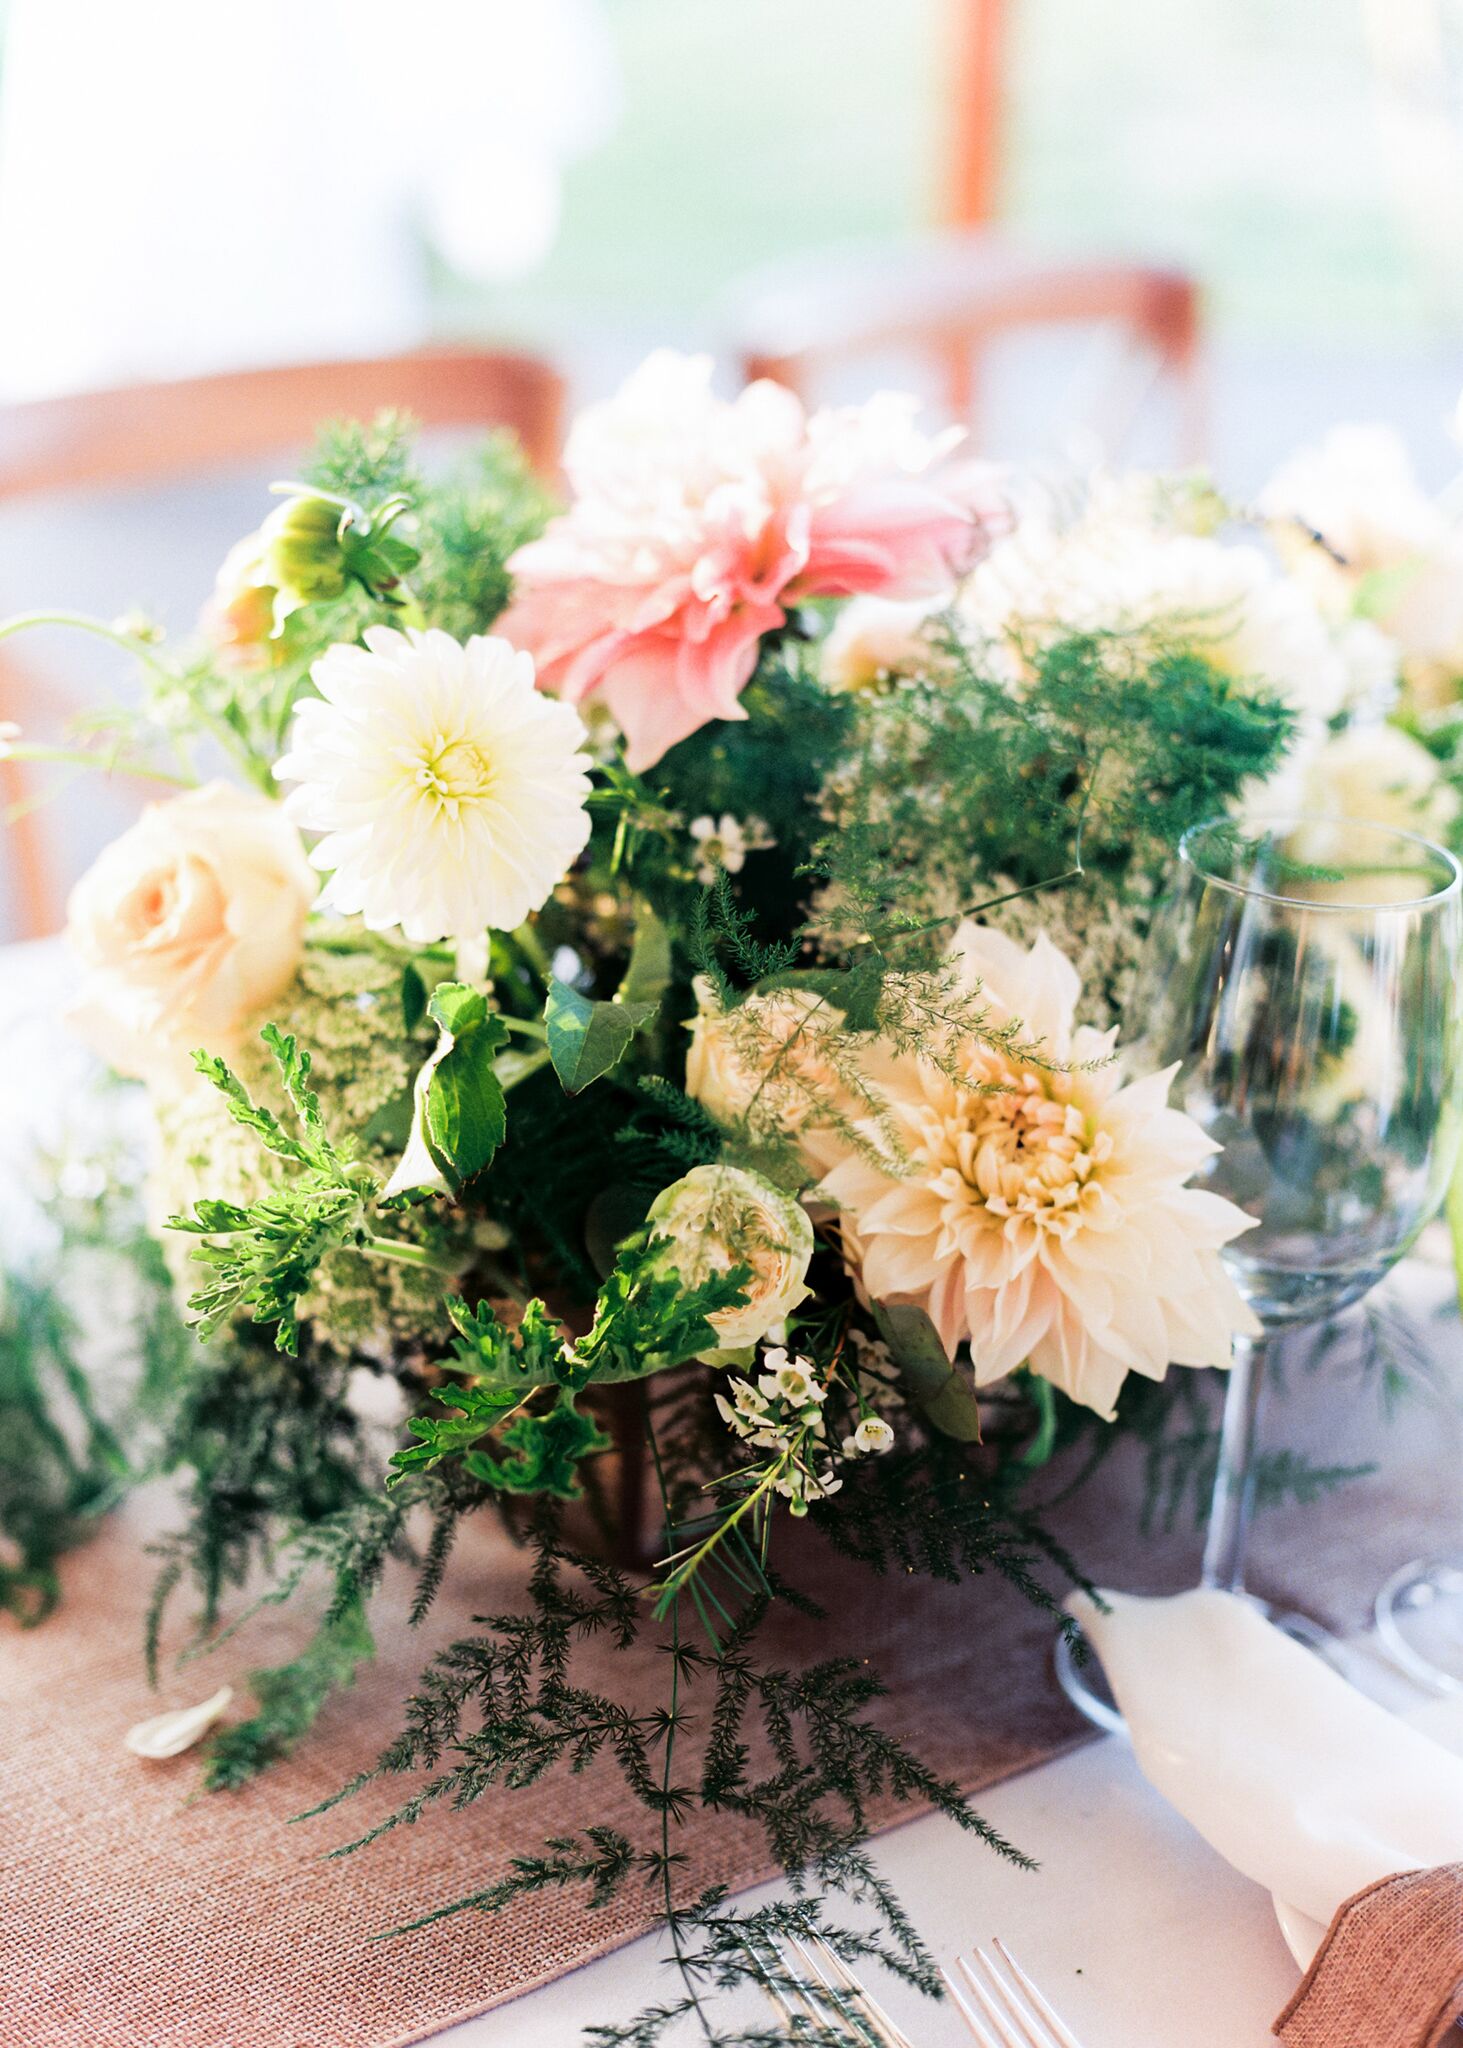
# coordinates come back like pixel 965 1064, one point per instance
pixel 942 1392
pixel 587 1038
pixel 648 1319
pixel 475 1411
pixel 532 1354
pixel 249 1115
pixel 461 1112
pixel 261 1257
pixel 546 1450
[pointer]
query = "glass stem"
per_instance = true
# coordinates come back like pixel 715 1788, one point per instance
pixel 1234 1483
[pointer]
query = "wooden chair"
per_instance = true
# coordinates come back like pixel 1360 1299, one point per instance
pixel 946 298
pixel 153 433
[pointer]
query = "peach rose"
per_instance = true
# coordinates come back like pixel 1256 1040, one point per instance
pixel 187 926
pixel 766 1062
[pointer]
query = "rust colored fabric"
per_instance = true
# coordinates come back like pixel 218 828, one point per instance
pixel 134 1914
pixel 1390 1972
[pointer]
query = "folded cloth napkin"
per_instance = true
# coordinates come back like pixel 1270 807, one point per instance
pixel 1295 1777
pixel 1313 1791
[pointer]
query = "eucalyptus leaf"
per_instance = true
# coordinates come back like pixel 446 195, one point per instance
pixel 941 1391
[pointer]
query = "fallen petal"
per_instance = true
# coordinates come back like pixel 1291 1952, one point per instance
pixel 170 1734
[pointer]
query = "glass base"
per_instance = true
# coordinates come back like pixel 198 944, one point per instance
pixel 1420 1622
pixel 1085 1683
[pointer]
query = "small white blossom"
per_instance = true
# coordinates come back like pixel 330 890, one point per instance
pixel 800 1487
pixel 724 843
pixel 872 1434
pixel 791 1379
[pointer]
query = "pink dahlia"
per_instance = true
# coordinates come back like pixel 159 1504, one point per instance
pixel 1040 1216
pixel 696 521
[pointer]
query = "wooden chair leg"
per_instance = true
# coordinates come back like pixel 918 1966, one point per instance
pixel 31 885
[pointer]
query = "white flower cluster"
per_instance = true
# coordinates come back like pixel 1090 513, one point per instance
pixel 725 842
pixel 784 1413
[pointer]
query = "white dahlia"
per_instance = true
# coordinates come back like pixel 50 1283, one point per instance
pixel 1040 1216
pixel 450 790
pixel 1230 602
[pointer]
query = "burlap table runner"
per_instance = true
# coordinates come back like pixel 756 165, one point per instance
pixel 133 1915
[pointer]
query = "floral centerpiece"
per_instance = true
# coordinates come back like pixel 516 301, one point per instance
pixel 663 955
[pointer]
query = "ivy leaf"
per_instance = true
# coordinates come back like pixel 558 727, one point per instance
pixel 545 1451
pixel 461 1114
pixel 587 1038
pixel 941 1391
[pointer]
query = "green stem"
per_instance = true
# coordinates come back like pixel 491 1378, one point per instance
pixel 529 1026
pixel 407 1255
pixel 21 622
pixel 687 1570
pixel 239 750
pixel 79 757
pixel 532 1063
pixel 672 1918
pixel 526 939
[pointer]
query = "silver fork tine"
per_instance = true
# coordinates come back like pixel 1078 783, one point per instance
pixel 825 1993
pixel 817 1950
pixel 1013 2027
pixel 984 2037
pixel 1022 2018
pixel 1064 2036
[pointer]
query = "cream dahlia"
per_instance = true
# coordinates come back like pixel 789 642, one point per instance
pixel 450 791
pixel 1041 1216
pixel 696 521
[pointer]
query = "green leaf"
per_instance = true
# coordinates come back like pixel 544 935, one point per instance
pixel 546 1450
pixel 587 1038
pixel 413 997
pixel 941 1391
pixel 648 975
pixel 461 1114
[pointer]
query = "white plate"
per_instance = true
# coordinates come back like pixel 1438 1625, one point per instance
pixel 1442 1719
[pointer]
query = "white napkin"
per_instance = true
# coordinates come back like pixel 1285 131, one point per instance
pixel 1297 1779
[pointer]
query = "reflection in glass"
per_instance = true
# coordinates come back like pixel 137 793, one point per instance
pixel 1301 975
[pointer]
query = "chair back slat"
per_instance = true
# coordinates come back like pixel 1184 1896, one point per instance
pixel 154 433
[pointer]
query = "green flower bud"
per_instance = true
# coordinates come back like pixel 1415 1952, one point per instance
pixel 302 557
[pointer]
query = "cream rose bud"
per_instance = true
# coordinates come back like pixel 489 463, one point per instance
pixel 717 1217
pixel 763 1061
pixel 187 926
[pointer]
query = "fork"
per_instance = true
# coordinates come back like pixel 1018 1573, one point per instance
pixel 1002 2007
pixel 825 1991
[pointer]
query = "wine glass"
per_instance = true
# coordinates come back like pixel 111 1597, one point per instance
pixel 1302 972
